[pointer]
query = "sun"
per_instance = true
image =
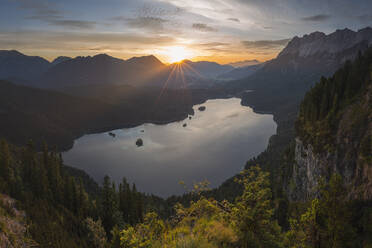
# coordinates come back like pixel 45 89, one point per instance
pixel 177 54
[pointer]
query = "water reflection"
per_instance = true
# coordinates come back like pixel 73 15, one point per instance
pixel 214 145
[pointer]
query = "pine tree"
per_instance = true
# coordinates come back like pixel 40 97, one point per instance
pixel 109 204
pixel 334 209
pixel 253 211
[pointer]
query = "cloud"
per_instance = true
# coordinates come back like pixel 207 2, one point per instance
pixel 213 44
pixel 157 10
pixel 203 27
pixel 50 40
pixel 233 19
pixel 316 18
pixel 73 24
pixel 39 7
pixel 366 18
pixel 148 22
pixel 265 44
pixel 47 12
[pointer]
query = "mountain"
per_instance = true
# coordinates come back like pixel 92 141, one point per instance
pixel 302 62
pixel 15 65
pixel 245 63
pixel 146 62
pixel 334 133
pixel 102 69
pixel 320 44
pixel 240 72
pixel 60 59
pixel 204 69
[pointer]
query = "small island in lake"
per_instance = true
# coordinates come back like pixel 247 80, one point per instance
pixel 139 142
pixel 202 108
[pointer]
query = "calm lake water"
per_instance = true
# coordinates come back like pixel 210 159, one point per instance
pixel 214 145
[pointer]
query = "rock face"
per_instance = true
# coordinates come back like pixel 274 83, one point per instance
pixel 318 43
pixel 340 142
pixel 310 168
pixel 306 173
pixel 13 226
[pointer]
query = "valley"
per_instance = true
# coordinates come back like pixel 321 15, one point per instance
pixel 102 151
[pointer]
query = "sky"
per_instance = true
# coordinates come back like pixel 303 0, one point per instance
pixel 215 30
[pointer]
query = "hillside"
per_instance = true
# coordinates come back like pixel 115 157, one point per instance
pixel 334 132
pixel 29 113
pixel 13 227
pixel 59 118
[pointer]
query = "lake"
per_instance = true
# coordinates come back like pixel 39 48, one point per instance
pixel 213 144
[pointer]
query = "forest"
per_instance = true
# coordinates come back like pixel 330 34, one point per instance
pixel 61 212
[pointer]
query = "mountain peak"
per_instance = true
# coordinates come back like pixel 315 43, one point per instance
pixel 148 60
pixel 10 53
pixel 345 30
pixel 320 43
pixel 60 59
pixel 102 56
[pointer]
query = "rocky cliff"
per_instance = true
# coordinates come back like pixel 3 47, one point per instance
pixel 334 131
pixel 13 227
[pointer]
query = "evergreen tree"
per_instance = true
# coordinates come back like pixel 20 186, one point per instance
pixel 109 204
pixel 253 211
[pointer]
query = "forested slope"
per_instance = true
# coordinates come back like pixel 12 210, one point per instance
pixel 334 130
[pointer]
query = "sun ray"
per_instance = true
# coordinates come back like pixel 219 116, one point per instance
pixel 165 85
pixel 193 70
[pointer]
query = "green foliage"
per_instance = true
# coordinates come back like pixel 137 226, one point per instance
pixel 253 211
pixel 323 106
pixel 59 210
pixel 208 223
pixel 327 221
pixel 95 232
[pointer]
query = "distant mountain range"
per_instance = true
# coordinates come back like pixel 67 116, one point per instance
pixel 205 69
pixel 245 63
pixel 295 69
pixel 241 72
pixel 103 69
